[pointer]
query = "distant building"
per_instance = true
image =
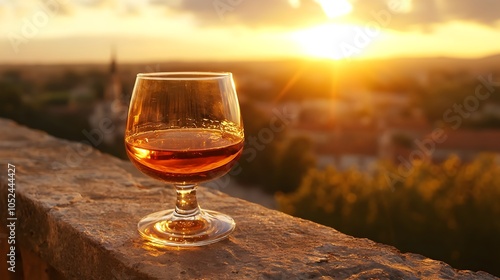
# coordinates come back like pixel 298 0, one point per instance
pixel 467 144
pixel 111 109
pixel 358 129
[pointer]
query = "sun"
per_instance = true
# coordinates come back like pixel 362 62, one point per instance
pixel 323 41
pixel 335 8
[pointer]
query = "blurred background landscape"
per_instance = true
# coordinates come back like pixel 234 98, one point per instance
pixel 379 118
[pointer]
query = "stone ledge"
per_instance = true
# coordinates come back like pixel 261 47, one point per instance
pixel 77 210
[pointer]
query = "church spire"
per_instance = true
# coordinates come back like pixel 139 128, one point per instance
pixel 112 67
pixel 114 88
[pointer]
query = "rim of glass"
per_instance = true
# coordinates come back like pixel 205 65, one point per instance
pixel 191 75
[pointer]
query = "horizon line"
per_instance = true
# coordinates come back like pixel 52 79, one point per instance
pixel 247 60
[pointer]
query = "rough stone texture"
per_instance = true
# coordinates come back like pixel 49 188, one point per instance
pixel 79 214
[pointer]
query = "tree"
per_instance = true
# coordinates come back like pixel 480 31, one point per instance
pixel 294 163
pixel 11 103
pixel 445 211
pixel 259 159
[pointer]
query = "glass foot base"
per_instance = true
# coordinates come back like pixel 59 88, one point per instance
pixel 165 228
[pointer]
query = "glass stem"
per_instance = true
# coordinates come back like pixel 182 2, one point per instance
pixel 186 205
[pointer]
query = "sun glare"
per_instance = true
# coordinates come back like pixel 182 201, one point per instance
pixel 335 8
pixel 323 41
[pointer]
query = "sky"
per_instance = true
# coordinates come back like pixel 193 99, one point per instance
pixel 59 31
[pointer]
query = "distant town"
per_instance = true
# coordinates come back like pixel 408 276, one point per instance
pixel 355 113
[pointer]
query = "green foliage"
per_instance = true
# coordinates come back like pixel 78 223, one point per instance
pixel 271 160
pixel 295 162
pixel 36 114
pixel 53 98
pixel 258 161
pixel 447 211
pixel 64 82
pixel 10 100
pixel 445 90
pixel 441 95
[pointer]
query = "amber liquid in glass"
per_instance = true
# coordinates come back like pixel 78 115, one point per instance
pixel 184 155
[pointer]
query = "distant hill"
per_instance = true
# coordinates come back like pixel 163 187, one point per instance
pixel 488 63
pixel 293 78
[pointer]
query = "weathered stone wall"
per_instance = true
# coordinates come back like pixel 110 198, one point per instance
pixel 77 209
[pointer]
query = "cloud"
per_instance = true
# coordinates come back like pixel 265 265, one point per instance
pixel 425 14
pixel 482 11
pixel 254 13
pixel 289 14
pixel 250 13
pixel 422 14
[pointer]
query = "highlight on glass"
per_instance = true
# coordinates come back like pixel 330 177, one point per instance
pixel 184 128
